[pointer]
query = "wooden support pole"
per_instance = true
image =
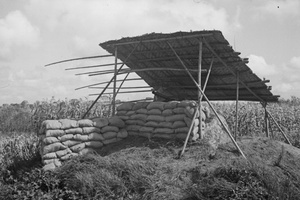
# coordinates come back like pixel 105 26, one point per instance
pixel 115 82
pixel 199 93
pixel 282 132
pixel 236 105
pixel 266 120
pixel 210 105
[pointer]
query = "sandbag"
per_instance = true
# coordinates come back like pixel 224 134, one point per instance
pixel 74 131
pixel 141 111
pixel 68 123
pixel 189 111
pixel 145 134
pixel 112 140
pixel 187 103
pixel 69 156
pixel 182 130
pixel 146 129
pixel 126 106
pixel 133 133
pixel 100 122
pixel 165 124
pixel 48 161
pixel 165 136
pixel 178 124
pixel 139 117
pixel 109 129
pixel 154 111
pixel 116 121
pixel 179 110
pixel 82 138
pixel 156 104
pixel 133 128
pixel 122 133
pixel 62 153
pixel 124 118
pixel 53 147
pixel 78 147
pixel 173 118
pixel 85 123
pixel 167 112
pixel 93 144
pixel 49 156
pixel 171 104
pixel 140 105
pixel 135 122
pixel 49 167
pixel 109 135
pixel 131 112
pixel 188 122
pixel 163 131
pixel 156 118
pixel 66 137
pixel 50 140
pixel 70 143
pixel 51 124
pixel 55 133
pixel 95 136
pixel 87 151
pixel 88 130
pixel 121 113
pixel 152 124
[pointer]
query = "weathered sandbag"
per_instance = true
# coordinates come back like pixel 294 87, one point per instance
pixel 53 147
pixel 189 111
pixel 122 134
pixel 135 122
pixel 152 124
pixel 88 130
pixel 146 129
pixel 125 106
pixel 206 111
pixel 80 137
pixel 145 134
pixel 70 143
pixel 78 147
pixel 187 103
pixel 165 124
pixel 51 124
pixel 173 118
pixel 116 121
pixel 48 161
pixel 68 123
pixel 49 156
pixel 182 130
pixel 74 131
pixel 171 104
pixel 49 167
pixel 50 140
pixel 124 118
pixel 112 140
pixel 154 111
pixel 96 136
pixel 163 131
pixel 179 110
pixel 94 144
pixel 195 130
pixel 141 111
pixel 156 104
pixel 135 133
pixel 139 117
pixel 140 105
pixel 69 156
pixel 66 137
pixel 109 135
pixel 100 122
pixel 195 137
pixel 188 122
pixel 87 151
pixel 109 129
pixel 121 113
pixel 165 136
pixel 167 112
pixel 85 123
pixel 62 153
pixel 178 124
pixel 156 118
pixel 55 133
pixel 133 128
pixel 131 112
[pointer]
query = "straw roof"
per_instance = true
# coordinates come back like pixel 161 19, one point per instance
pixel 152 58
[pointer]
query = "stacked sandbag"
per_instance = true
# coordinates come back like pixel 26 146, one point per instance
pixel 167 120
pixel 62 139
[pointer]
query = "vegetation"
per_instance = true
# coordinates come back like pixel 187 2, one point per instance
pixel 151 170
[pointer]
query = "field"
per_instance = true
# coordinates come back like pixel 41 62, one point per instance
pixel 143 169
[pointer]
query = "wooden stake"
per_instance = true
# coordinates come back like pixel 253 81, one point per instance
pixel 115 82
pixel 236 105
pixel 199 93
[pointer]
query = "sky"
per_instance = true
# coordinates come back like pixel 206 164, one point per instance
pixel 34 33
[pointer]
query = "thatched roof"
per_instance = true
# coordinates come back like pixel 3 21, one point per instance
pixel 155 62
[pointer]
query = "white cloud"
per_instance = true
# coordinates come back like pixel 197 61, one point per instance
pixel 295 62
pixel 16 31
pixel 260 67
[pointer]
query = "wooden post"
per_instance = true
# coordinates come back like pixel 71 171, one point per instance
pixel 236 105
pixel 266 120
pixel 199 93
pixel 115 82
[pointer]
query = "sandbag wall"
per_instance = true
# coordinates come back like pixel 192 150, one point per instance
pixel 167 120
pixel 62 139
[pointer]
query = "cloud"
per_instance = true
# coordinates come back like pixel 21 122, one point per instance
pixel 295 62
pixel 16 31
pixel 260 67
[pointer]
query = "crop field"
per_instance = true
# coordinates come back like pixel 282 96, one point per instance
pixel 21 175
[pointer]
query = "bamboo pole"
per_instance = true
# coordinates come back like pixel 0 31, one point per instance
pixel 236 105
pixel 82 58
pixel 94 66
pixel 282 132
pixel 105 82
pixel 115 82
pixel 199 93
pixel 210 105
pixel 123 92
